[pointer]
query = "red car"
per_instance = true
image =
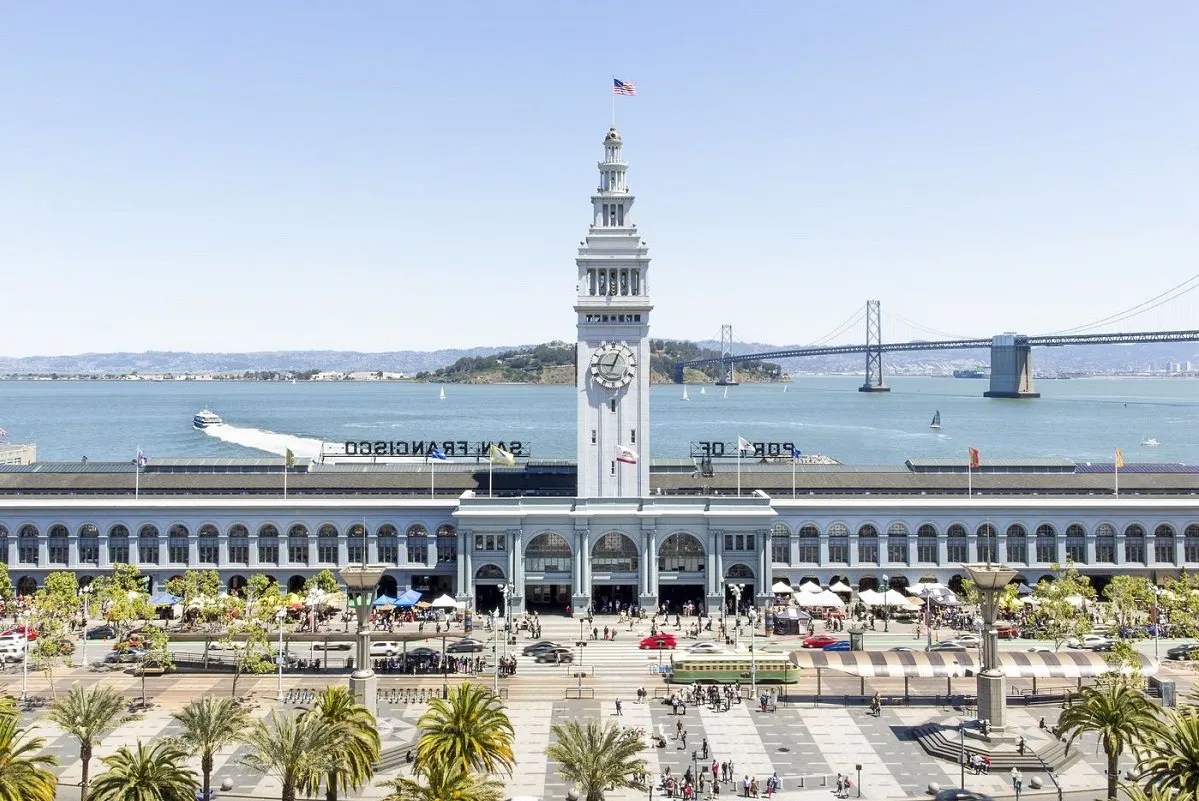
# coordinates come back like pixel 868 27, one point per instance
pixel 658 642
pixel 24 630
pixel 819 641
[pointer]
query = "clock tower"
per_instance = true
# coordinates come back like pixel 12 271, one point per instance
pixel 613 359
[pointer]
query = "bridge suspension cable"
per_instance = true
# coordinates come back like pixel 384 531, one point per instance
pixel 850 322
pixel 934 331
pixel 1171 294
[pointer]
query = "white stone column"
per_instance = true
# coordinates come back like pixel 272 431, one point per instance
pixel 253 562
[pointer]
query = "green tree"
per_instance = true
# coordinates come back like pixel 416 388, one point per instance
pixel 1058 612
pixel 209 724
pixel 1168 757
pixel 24 774
pixel 1115 711
pixel 1131 597
pixel 596 757
pixel 470 728
pixel 248 640
pixel 444 783
pixel 53 609
pixel 296 750
pixel 88 714
pixel 7 591
pixel 155 643
pixel 1179 601
pixel 1134 792
pixel 155 773
pixel 203 586
pixel 324 580
pixel 122 594
pixel 357 746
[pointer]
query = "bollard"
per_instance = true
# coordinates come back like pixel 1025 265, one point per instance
pixel 801 778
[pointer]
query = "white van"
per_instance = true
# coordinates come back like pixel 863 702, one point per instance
pixel 12 648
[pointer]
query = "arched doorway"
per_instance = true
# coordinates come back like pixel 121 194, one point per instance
pixel 547 572
pixel 387 586
pixel 489 579
pixel 295 584
pixel 237 584
pixel 741 577
pixel 682 559
pixel 614 565
pixel 26 585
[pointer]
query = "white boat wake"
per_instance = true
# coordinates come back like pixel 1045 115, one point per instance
pixel 268 441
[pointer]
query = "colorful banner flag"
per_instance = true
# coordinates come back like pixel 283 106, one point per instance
pixel 142 458
pixel 744 445
pixel 1119 458
pixel 290 459
pixel 437 453
pixel 500 456
pixel 626 455
pixel 974 460
pixel 796 453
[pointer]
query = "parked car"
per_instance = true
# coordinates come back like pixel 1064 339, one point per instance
pixel 25 630
pixel 555 655
pixel 658 642
pixel 839 645
pixel 967 639
pixel 101 632
pixel 384 648
pixel 819 641
pixel 1040 649
pixel 705 648
pixel 1184 651
pixel 959 794
pixel 126 656
pixel 946 645
pixel 333 645
pixel 541 645
pixel 467 645
pixel 12 649
pixel 1091 641
pixel 1007 631
pixel 424 654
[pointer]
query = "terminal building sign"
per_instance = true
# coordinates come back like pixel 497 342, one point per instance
pixel 421 448
pixel 717 450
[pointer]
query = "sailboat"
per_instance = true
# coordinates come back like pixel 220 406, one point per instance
pixel 685 394
pixel 785 387
pixel 936 423
pixel 703 391
pixel 442 395
pixel 726 392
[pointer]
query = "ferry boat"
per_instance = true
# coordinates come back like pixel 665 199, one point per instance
pixel 205 418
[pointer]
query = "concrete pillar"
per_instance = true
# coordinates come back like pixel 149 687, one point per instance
pixel 1011 368
pixel 72 550
pixel 581 591
pixel 822 544
pixel 971 547
pixel 942 549
pixel 853 549
pixel 1089 546
pixel 1120 539
pixel 253 561
pixel 649 593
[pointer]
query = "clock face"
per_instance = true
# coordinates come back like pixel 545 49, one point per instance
pixel 613 365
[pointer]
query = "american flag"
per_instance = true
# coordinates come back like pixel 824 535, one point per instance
pixel 3 433
pixel 620 87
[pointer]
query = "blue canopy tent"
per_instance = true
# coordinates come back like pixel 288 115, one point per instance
pixel 164 599
pixel 385 600
pixel 408 598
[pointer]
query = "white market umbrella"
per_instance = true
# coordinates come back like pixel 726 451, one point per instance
pixel 782 588
pixel 809 586
pixel 840 586
pixel 829 598
pixel 808 599
pixel 870 597
pixel 893 598
pixel 444 602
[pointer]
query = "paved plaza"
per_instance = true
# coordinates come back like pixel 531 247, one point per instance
pixel 804 742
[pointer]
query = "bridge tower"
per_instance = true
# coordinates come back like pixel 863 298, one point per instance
pixel 728 377
pixel 874 349
pixel 1011 368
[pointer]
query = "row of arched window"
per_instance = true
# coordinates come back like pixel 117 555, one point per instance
pixel 868 530
pixel 149 530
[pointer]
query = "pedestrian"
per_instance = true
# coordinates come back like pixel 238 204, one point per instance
pixel 678 729
pixel 745 785
pixel 839 787
pixel 684 738
pixel 618 710
pixel 704 748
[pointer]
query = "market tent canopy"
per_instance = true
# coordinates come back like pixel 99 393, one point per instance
pixel 444 601
pixel 782 588
pixel 870 597
pixel 954 664
pixel 385 600
pixel 840 586
pixel 164 599
pixel 408 598
pixel 809 586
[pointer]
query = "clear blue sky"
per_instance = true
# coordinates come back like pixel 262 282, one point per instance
pixel 376 176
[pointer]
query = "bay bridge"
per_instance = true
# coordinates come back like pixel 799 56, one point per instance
pixel 1011 353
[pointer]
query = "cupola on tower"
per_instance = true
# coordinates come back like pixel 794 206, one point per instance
pixel 613 309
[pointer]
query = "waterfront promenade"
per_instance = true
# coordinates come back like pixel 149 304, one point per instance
pixel 805 742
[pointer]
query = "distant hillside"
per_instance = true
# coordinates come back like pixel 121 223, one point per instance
pixel 554 363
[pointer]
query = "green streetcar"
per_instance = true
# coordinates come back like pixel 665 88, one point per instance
pixel 732 668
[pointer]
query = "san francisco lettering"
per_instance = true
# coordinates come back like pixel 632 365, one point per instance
pixel 715 450
pixel 422 448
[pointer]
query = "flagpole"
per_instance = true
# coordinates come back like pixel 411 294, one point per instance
pixel 613 90
pixel 490 480
pixel 792 475
pixel 1116 466
pixel 738 468
pixel 432 474
pixel 284 476
pixel 137 472
pixel 969 478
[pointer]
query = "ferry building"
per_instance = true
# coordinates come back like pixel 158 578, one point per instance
pixel 611 526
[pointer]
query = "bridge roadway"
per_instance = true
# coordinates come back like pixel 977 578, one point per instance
pixel 1049 340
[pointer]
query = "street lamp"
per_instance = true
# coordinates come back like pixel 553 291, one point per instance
pixel 735 589
pixel 886 602
pixel 1157 619
pixel 753 657
pixel 495 650
pixel 1017 782
pixel 280 616
pixel 962 752
pixel 25 659
pixel 990 579
pixel 361 581
pixel 86 592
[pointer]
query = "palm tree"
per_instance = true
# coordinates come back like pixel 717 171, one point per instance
pixel 1134 792
pixel 298 750
pixel 209 724
pixel 1169 756
pixel 154 773
pixel 88 714
pixel 445 783
pixel 470 728
pixel 24 776
pixel 357 746
pixel 1116 711
pixel 597 756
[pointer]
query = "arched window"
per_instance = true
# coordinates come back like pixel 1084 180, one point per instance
pixel 926 544
pixel 208 545
pixel 327 544
pixel 868 544
pixel 1076 543
pixel 178 547
pixel 297 531
pixel 89 544
pixel 239 547
pixel 780 544
pixel 739 572
pixel 147 545
pixel 548 552
pixel 956 550
pixel 297 544
pixel 985 541
pixel 1017 544
pixel 681 552
pixel 447 543
pixel 1134 544
pixel 809 545
pixel 614 553
pixel 1190 543
pixel 388 546
pixel 489 573
pixel 838 544
pixel 1046 543
pixel 1105 543
pixel 57 544
pixel 27 544
pixel 268 544
pixel 327 530
pixel 418 544
pixel 897 543
pixel 1163 543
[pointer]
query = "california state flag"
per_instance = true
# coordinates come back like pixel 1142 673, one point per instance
pixel 626 455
